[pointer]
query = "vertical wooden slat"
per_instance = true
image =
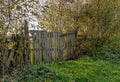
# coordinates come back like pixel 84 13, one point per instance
pixel 60 47
pixel 49 47
pixel 52 46
pixel 40 46
pixel 37 47
pixel 33 35
pixel 57 47
pixel 71 37
pixel 31 47
pixel 54 42
pixel 44 46
pixel 53 55
pixel 68 46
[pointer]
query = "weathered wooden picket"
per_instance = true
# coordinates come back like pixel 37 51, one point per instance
pixel 49 47
pixel 71 38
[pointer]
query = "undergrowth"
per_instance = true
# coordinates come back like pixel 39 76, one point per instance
pixel 85 69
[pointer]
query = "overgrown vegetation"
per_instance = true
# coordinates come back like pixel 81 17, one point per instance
pixel 13 41
pixel 96 23
pixel 86 69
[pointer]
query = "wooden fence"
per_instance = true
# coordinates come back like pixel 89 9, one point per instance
pixel 49 47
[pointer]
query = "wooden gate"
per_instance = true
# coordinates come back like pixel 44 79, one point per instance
pixel 49 47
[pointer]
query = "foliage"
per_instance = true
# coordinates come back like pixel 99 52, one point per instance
pixel 41 73
pixel 111 51
pixel 105 23
pixel 96 22
pixel 55 16
pixel 13 32
pixel 82 70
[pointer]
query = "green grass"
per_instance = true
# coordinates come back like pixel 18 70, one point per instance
pixel 85 69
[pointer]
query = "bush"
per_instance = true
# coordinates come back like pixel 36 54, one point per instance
pixel 41 73
pixel 110 51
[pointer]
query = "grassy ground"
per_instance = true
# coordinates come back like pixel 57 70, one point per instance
pixel 85 69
